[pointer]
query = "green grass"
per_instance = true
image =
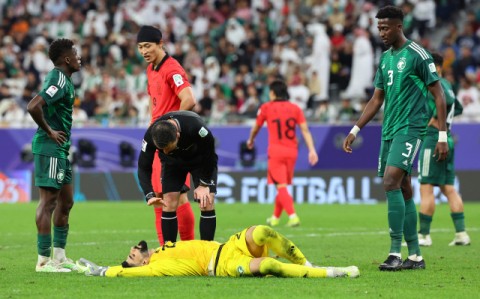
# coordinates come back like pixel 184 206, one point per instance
pixel 330 235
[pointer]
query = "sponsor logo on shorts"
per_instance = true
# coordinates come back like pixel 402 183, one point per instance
pixel 177 78
pixel 60 175
pixel 203 132
pixel 240 270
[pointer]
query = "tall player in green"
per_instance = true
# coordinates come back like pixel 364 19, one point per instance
pixel 52 110
pixel 442 174
pixel 406 73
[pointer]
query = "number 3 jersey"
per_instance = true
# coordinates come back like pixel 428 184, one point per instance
pixel 404 75
pixel 282 117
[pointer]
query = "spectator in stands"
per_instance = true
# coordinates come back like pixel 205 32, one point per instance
pixel 465 61
pixel 79 115
pixel 408 19
pixel 263 55
pixel 424 13
pixel 468 38
pixel 362 67
pixel 250 107
pixel 314 88
pixel 325 113
pixel 14 115
pixel 337 38
pixel 346 113
pixel 204 106
pixel 298 92
pixel 468 96
pixel 337 17
pixel 472 20
pixel 320 55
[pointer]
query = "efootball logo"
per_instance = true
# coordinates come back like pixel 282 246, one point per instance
pixel 402 64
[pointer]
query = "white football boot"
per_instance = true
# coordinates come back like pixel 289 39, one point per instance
pixel 460 239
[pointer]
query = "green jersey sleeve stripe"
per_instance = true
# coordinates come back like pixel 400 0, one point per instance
pixel 61 81
pixel 419 51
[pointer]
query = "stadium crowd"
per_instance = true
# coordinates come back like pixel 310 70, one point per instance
pixel 326 51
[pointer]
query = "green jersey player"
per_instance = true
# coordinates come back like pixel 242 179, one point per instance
pixel 442 174
pixel 405 75
pixel 52 110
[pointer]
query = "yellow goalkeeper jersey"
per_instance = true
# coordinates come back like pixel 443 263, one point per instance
pixel 189 258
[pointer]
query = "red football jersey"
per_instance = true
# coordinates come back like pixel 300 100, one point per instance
pixel 164 84
pixel 282 118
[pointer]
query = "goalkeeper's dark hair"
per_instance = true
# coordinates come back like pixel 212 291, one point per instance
pixel 163 133
pixel 437 59
pixel 58 49
pixel 390 12
pixel 279 88
pixel 143 247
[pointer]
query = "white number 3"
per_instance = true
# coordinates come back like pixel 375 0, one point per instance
pixel 390 78
pixel 409 149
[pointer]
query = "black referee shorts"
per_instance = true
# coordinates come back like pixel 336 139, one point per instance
pixel 173 178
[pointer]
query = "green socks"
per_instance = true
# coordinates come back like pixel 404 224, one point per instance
pixel 60 236
pixel 410 228
pixel 425 221
pixel 396 217
pixel 44 245
pixel 459 221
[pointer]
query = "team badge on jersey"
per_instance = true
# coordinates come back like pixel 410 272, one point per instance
pixel 177 78
pixel 240 270
pixel 402 64
pixel 51 91
pixel 144 146
pixel 203 132
pixel 60 175
pixel 432 68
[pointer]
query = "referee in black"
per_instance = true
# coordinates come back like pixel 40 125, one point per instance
pixel 185 145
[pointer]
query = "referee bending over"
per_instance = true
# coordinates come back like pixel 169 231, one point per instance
pixel 185 145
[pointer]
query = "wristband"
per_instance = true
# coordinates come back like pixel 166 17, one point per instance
pixel 355 130
pixel 442 136
pixel 149 195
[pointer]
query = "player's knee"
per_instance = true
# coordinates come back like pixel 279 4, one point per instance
pixel 390 183
pixel 271 266
pixel 262 233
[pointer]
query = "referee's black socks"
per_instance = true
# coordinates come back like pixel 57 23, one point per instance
pixel 169 226
pixel 208 224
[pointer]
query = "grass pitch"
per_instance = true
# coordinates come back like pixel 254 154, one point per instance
pixel 330 235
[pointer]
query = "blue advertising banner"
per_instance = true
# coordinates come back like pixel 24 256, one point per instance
pixel 328 142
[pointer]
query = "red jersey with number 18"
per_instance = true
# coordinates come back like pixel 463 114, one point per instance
pixel 282 117
pixel 164 84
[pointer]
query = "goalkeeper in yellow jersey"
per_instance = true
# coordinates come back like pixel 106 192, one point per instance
pixel 245 254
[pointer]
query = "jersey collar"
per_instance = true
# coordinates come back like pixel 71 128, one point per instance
pixel 156 69
pixel 395 52
pixel 280 100
pixel 63 73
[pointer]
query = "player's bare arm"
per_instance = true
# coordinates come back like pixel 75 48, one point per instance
pixel 307 136
pixel 372 108
pixel 187 99
pixel 35 109
pixel 440 102
pixel 253 134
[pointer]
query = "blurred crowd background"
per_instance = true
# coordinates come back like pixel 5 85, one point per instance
pixel 326 50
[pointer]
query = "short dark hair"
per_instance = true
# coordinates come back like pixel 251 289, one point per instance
pixel 437 59
pixel 58 48
pixel 390 12
pixel 279 88
pixel 142 246
pixel 163 133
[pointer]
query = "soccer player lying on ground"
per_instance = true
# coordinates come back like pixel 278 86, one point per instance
pixel 245 254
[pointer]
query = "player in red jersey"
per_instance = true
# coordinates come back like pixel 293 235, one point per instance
pixel 282 117
pixel 169 90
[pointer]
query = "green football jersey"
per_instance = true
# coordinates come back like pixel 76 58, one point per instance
pixel 404 75
pixel 453 106
pixel 59 93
